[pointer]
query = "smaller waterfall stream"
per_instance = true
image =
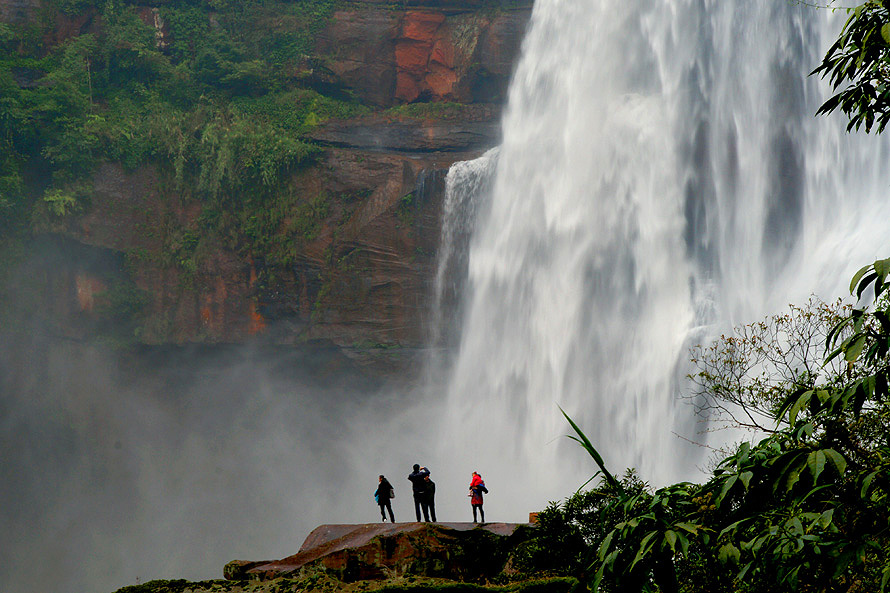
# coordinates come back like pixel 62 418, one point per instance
pixel 467 186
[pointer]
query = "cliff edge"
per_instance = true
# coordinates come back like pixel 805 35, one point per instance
pixel 393 557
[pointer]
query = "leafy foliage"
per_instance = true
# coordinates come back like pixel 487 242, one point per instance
pixel 204 90
pixel 858 67
pixel 743 377
pixel 805 509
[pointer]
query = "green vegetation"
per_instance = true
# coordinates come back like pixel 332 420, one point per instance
pixel 858 67
pixel 405 210
pixel 441 110
pixel 121 306
pixel 213 96
pixel 742 378
pixel 805 509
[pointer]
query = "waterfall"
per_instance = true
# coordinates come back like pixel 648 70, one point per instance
pixel 466 186
pixel 662 177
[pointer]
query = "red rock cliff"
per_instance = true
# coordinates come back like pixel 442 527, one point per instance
pixel 361 280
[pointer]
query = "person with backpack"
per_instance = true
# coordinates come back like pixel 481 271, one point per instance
pixel 477 488
pixel 383 495
pixel 418 485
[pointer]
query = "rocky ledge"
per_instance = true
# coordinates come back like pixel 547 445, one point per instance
pixel 459 551
pixel 410 557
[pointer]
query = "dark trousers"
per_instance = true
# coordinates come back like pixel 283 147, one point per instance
pixel 481 512
pixel 420 502
pixel 388 506
pixel 428 504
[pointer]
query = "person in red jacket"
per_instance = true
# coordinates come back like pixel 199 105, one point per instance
pixel 477 488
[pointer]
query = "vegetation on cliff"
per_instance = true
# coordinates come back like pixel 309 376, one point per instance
pixel 214 93
pixel 190 139
pixel 220 93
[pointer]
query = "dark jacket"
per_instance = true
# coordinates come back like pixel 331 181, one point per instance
pixel 417 483
pixel 382 492
pixel 430 491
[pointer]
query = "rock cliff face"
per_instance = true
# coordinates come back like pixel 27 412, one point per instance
pixel 441 51
pixel 362 280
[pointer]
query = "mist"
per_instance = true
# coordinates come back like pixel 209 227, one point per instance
pixel 123 465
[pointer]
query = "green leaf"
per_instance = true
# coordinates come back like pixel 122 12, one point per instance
pixel 670 537
pixel 645 547
pixel 607 542
pixel 858 275
pixel 826 518
pixel 837 460
pixel 609 561
pixel 597 579
pixel 731 527
pixel 813 491
pixel 854 349
pixel 791 577
pixel 729 553
pixel 882 266
pixel 745 478
pixel 866 484
pixel 803 400
pixel 864 284
pixel 794 474
pixel 727 485
pixel 816 463
pixel 684 543
pixel 690 527
pixel 597 458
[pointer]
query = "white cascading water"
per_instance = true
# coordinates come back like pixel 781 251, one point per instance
pixel 662 177
pixel 465 185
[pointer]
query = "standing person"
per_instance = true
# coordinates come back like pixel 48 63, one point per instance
pixel 477 487
pixel 430 497
pixel 418 486
pixel 384 493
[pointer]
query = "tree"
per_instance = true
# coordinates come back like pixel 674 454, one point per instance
pixel 743 377
pixel 858 67
pixel 805 509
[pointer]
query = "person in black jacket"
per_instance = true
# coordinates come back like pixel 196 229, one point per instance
pixel 419 488
pixel 429 497
pixel 383 495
